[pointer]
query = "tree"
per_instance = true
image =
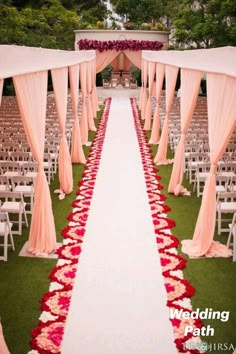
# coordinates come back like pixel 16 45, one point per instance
pixel 52 26
pixel 203 24
pixel 91 11
pixel 138 11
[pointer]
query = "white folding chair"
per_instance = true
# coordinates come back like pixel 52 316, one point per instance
pixel 232 234
pixel 30 169
pixel 48 166
pixel 232 184
pixel 53 150
pixel 6 233
pixel 4 184
pixel 227 169
pixel 9 168
pixel 202 171
pixel 13 203
pixel 226 204
pixel 194 159
pixel 24 185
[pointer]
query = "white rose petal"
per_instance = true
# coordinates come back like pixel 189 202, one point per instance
pixel 55 286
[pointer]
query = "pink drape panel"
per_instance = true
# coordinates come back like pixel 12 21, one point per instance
pixel 134 57
pixel 171 77
pixel 3 346
pixel 84 118
pixel 60 86
pixel 91 124
pixel 141 90
pixel 148 109
pixel 190 83
pixel 31 92
pixel 144 95
pixel 1 87
pixel 127 63
pixel 115 64
pixel 105 58
pixel 94 90
pixel 77 153
pixel 221 92
pixel 160 73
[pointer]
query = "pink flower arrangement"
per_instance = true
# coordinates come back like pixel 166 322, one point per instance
pixel 131 44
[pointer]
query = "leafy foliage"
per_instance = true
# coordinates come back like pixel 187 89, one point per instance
pixel 51 23
pixel 206 24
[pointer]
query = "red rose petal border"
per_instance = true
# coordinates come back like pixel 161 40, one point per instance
pixel 177 288
pixel 48 335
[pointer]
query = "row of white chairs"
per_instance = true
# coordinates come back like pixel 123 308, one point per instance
pixel 29 167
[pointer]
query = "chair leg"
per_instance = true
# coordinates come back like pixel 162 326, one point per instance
pixel 26 219
pixel 11 238
pixel 230 236
pixel 5 247
pixel 219 223
pixel 20 223
pixel 234 246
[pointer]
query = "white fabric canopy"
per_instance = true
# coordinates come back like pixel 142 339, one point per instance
pixel 28 66
pixel 219 64
pixel 18 60
pixel 216 60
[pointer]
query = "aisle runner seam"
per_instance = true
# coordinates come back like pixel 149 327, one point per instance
pixel 47 336
pixel 178 289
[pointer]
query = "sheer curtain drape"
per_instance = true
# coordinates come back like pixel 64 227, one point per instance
pixel 171 77
pixel 31 92
pixel 77 153
pixel 134 57
pixel 60 87
pixel 95 107
pixel 221 93
pixel 160 73
pixel 105 58
pixel 148 110
pixel 89 83
pixel 84 117
pixel 190 83
pixel 144 94
pixel 142 86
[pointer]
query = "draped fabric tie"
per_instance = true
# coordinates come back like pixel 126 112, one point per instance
pixel 40 167
pixel 213 168
pixel 161 156
pixel 65 167
pixel 84 122
pixel 155 135
pixel 91 124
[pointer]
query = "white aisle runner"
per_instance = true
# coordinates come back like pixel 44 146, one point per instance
pixel 118 304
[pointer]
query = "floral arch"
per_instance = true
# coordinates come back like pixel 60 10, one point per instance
pixel 113 52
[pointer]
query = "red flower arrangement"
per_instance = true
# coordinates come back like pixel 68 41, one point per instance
pixel 131 44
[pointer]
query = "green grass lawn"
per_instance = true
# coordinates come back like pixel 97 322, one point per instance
pixel 23 281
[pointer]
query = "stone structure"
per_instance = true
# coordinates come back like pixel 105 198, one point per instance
pixel 106 35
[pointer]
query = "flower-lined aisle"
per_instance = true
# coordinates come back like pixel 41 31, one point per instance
pixel 47 336
pixel 178 289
